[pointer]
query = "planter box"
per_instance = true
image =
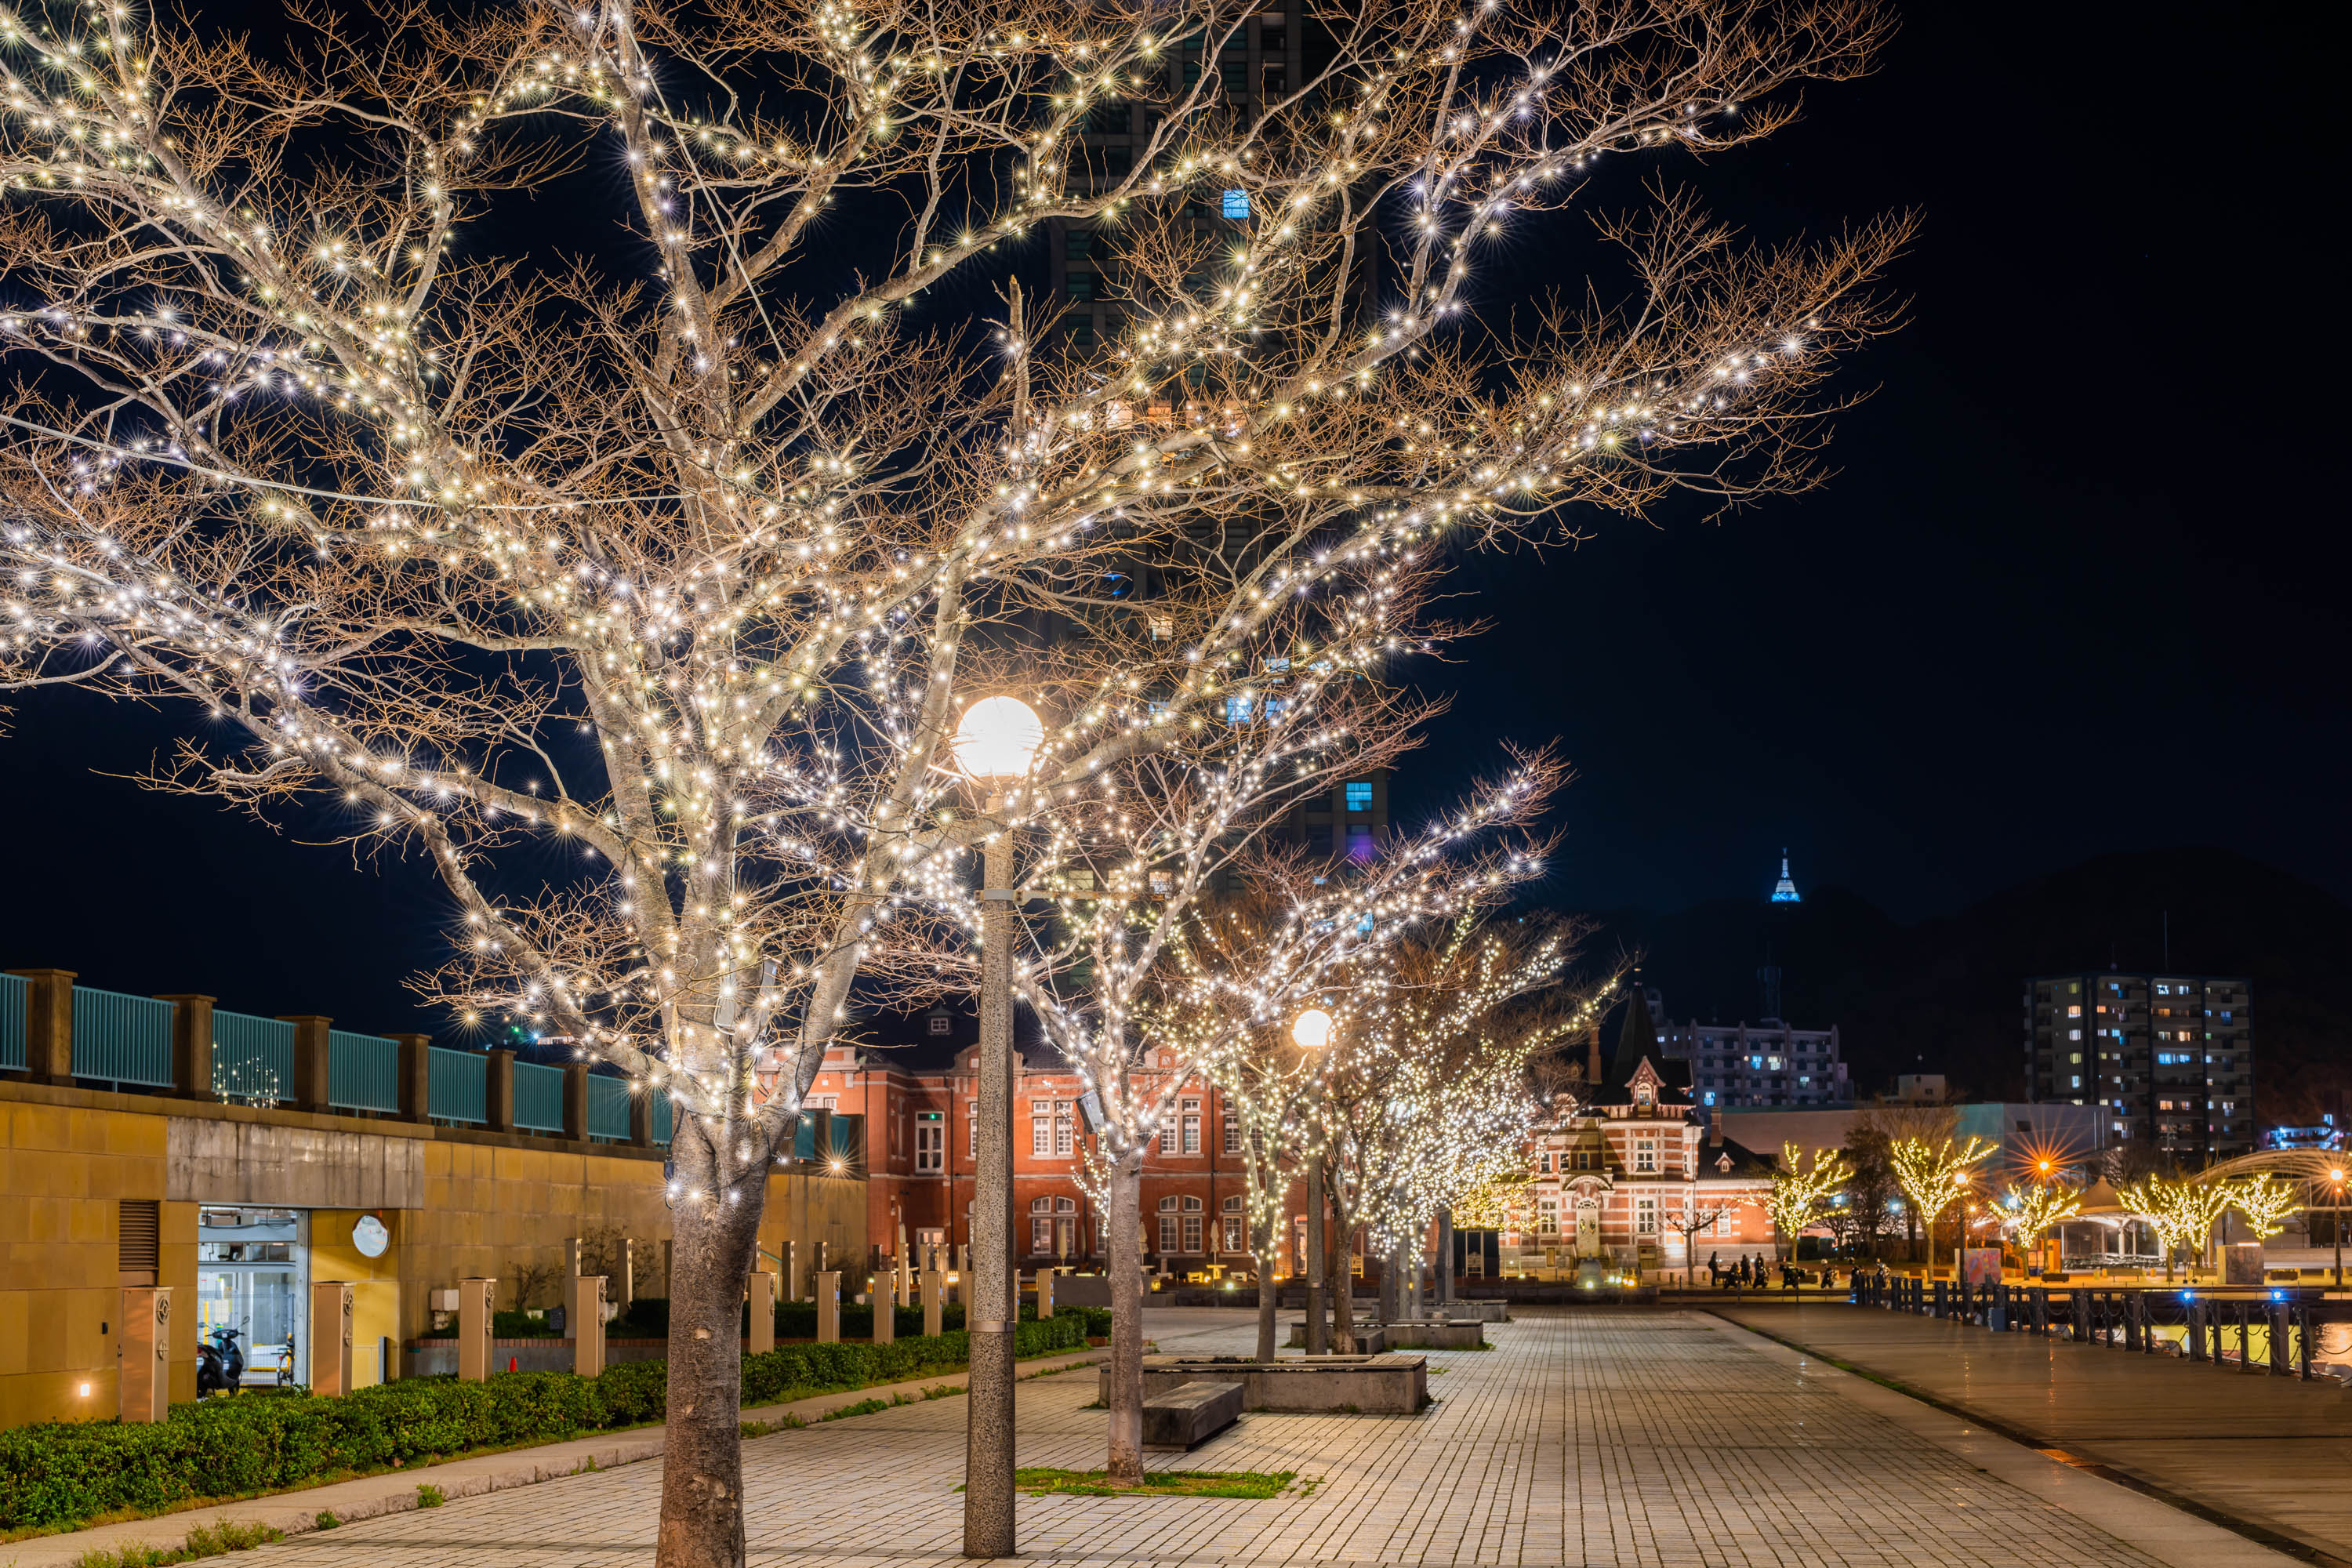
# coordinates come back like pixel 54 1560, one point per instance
pixel 1364 1384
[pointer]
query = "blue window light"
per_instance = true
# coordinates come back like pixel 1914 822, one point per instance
pixel 1237 708
pixel 1360 794
pixel 1235 204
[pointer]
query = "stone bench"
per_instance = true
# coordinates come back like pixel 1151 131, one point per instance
pixel 1348 1385
pixel 1435 1334
pixel 1370 1338
pixel 1484 1311
pixel 1189 1413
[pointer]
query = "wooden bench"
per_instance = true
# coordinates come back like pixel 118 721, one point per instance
pixel 1189 1413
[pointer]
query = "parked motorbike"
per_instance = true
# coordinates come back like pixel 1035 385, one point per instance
pixel 220 1364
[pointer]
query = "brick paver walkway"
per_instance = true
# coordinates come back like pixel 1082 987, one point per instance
pixel 1583 1437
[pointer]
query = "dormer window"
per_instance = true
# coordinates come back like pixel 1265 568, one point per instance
pixel 1723 1163
pixel 1643 1095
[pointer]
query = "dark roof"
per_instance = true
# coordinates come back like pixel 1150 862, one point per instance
pixel 1637 1038
pixel 1745 1161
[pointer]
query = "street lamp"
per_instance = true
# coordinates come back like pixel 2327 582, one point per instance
pixel 1311 1031
pixel 2336 1184
pixel 994 742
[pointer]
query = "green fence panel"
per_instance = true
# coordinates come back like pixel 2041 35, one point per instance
pixel 13 991
pixel 362 1072
pixel 457 1086
pixel 537 1098
pixel 661 1119
pixel 122 1039
pixel 253 1058
pixel 608 1107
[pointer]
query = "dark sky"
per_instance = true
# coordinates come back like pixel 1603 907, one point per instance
pixel 2074 589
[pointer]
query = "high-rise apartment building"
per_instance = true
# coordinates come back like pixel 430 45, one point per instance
pixel 2170 1059
pixel 1760 1063
pixel 1260 61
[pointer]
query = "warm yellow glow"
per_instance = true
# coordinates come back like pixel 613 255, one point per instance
pixel 996 738
pixel 1312 1032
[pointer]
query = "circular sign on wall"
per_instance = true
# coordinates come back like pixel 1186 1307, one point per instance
pixel 370 1237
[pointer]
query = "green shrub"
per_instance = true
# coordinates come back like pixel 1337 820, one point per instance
pixel 63 1474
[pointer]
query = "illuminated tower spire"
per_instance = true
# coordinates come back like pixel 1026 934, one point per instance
pixel 1785 892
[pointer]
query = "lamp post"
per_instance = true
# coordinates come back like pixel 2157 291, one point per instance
pixel 994 742
pixel 2336 1185
pixel 1312 1032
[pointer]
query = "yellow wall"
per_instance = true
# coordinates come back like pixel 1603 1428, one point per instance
pixel 492 1204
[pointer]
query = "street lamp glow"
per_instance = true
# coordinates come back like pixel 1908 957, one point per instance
pixel 996 738
pixel 1312 1032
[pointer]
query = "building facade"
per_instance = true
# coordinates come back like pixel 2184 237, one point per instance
pixel 1634 1174
pixel 2168 1059
pixel 142 1148
pixel 1763 1064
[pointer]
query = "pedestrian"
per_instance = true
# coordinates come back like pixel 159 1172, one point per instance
pixel 1828 1276
pixel 1715 1267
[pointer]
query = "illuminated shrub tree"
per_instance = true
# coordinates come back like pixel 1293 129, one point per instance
pixel 636 594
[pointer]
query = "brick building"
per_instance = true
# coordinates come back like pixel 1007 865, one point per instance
pixel 1635 1175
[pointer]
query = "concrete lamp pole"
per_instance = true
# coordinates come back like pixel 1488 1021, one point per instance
pixel 993 744
pixel 1312 1032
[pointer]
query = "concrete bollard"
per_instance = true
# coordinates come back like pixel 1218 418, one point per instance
pixel 760 1293
pixel 587 1324
pixel 935 1289
pixel 474 1298
pixel 885 1297
pixel 146 1379
pixel 1046 1279
pixel 331 1337
pixel 828 1306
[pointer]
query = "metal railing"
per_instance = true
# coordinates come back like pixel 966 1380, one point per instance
pixel 457 1086
pixel 13 991
pixel 122 1039
pixel 362 1072
pixel 537 1098
pixel 608 1107
pixel 253 1058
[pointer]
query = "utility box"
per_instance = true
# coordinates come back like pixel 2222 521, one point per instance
pixel 759 1292
pixel 588 1325
pixel 474 1298
pixel 145 1377
pixel 828 1308
pixel 331 1337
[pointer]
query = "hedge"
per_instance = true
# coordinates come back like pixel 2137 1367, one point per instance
pixel 647 1317
pixel 65 1474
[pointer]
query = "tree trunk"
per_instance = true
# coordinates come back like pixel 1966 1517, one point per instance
pixel 702 1448
pixel 1126 1189
pixel 1267 1242
pixel 1444 1283
pixel 1342 1279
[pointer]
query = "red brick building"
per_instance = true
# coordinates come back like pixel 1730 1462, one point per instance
pixel 1632 1174
pixel 919 1099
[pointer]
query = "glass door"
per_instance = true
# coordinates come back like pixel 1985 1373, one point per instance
pixel 253 1275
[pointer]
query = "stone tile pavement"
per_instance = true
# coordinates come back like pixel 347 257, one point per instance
pixel 1585 1437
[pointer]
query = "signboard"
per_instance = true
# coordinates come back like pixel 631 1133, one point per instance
pixel 2242 1263
pixel 1981 1265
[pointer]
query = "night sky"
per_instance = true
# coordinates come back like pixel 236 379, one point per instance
pixel 2073 589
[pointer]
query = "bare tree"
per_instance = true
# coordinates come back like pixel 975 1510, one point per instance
pixel 1250 963
pixel 639 595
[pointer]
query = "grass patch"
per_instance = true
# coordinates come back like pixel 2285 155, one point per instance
pixel 1156 1483
pixel 429 1496
pixel 863 1407
pixel 327 1519
pixel 217 1539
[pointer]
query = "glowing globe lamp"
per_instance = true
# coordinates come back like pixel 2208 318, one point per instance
pixel 1312 1032
pixel 996 738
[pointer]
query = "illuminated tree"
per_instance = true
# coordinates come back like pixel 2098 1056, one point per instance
pixel 2266 1201
pixel 2181 1211
pixel 2036 1207
pixel 1429 1090
pixel 637 596
pixel 1934 1174
pixel 1799 1193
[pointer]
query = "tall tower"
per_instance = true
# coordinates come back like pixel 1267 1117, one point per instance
pixel 1784 892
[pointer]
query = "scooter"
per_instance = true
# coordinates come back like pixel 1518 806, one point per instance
pixel 220 1364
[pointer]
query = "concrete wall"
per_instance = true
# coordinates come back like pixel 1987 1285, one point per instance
pixel 457 1202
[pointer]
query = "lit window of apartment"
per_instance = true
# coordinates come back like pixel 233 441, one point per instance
pixel 930 1142
pixel 1041 1128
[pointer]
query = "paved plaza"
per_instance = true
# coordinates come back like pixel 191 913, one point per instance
pixel 1592 1436
pixel 2274 1453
